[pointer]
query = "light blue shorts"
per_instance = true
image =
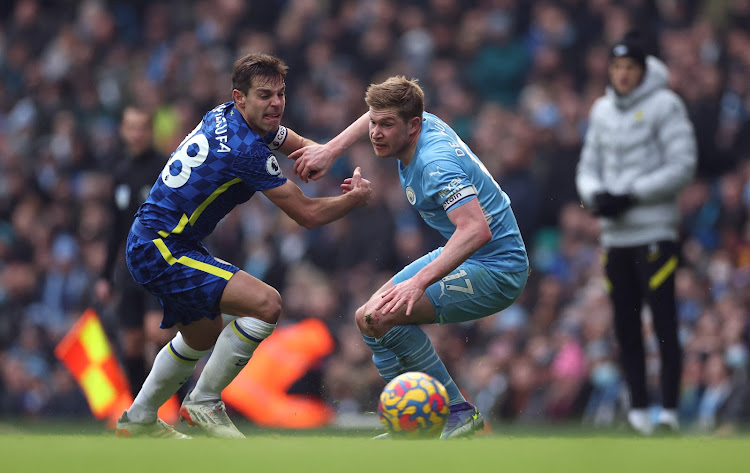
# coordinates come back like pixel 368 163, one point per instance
pixel 472 291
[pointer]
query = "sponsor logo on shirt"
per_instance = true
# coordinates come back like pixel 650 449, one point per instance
pixel 451 187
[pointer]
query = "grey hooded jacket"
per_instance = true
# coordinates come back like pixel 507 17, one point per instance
pixel 642 143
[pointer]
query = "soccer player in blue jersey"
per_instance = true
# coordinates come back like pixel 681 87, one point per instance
pixel 481 269
pixel 220 164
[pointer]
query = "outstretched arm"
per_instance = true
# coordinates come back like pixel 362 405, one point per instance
pixel 314 212
pixel 472 231
pixel 294 142
pixel 315 161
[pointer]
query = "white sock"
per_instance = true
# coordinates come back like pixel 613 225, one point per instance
pixel 173 366
pixel 232 351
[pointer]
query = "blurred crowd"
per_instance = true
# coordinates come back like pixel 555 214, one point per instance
pixel 515 78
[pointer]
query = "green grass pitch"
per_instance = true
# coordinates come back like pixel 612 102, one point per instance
pixel 32 451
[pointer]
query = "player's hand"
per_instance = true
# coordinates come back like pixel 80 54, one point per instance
pixel 312 162
pixel 404 293
pixel 358 185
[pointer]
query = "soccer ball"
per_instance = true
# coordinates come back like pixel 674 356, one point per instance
pixel 414 405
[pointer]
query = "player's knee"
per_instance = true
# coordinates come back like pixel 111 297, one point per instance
pixel 201 335
pixel 359 317
pixel 269 310
pixel 366 320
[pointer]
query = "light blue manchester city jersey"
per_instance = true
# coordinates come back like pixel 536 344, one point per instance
pixel 443 175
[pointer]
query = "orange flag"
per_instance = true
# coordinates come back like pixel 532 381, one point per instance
pixel 260 390
pixel 87 353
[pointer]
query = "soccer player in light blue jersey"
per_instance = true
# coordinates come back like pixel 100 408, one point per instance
pixel 222 163
pixel 481 269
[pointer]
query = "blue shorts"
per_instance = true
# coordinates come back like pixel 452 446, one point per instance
pixel 471 291
pixel 187 280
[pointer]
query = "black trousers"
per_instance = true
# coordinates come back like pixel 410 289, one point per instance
pixel 646 274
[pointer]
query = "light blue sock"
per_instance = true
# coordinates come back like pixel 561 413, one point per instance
pixel 385 361
pixel 414 352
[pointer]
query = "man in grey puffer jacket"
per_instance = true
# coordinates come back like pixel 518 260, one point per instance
pixel 639 153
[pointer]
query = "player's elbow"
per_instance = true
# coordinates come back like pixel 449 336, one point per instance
pixel 309 224
pixel 306 220
pixel 483 235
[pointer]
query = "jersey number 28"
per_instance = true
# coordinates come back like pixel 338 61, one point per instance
pixel 191 153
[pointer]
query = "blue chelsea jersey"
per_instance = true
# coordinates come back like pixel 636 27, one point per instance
pixel 443 175
pixel 218 166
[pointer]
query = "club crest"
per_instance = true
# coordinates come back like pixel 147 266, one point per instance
pixel 410 195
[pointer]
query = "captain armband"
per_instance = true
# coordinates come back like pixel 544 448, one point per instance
pixel 459 196
pixel 279 138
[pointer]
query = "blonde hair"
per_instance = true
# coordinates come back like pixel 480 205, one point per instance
pixel 403 95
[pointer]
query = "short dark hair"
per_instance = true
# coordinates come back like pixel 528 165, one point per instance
pixel 630 46
pixel 253 65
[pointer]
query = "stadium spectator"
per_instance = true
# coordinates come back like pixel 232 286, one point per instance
pixel 638 155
